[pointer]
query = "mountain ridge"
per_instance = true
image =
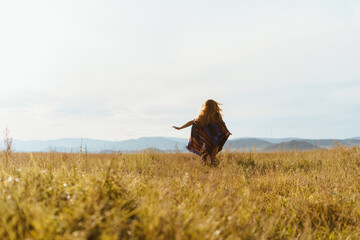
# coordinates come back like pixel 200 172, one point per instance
pixel 169 144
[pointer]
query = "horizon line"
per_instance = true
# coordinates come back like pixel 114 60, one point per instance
pixel 247 137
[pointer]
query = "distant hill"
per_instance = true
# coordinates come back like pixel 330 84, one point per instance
pixel 96 145
pixel 246 143
pixel 280 140
pixel 352 141
pixel 161 143
pixel 324 143
pixel 166 144
pixel 62 145
pixel 291 145
pixel 329 143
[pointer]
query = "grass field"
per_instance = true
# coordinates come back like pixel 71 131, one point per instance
pixel 288 195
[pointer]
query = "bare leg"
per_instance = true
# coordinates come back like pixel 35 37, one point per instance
pixel 205 156
pixel 206 160
pixel 213 155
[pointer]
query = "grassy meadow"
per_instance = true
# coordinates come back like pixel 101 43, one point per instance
pixel 149 195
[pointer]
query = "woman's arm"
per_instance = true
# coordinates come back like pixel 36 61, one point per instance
pixel 188 124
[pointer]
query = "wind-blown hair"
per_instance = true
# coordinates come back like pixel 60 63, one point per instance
pixel 210 112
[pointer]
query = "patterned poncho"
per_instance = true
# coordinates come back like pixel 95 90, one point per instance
pixel 204 140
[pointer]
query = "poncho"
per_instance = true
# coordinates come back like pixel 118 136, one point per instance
pixel 204 140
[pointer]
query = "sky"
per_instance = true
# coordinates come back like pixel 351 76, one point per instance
pixel 119 70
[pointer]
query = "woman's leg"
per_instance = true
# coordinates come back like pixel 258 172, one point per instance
pixel 205 156
pixel 213 155
pixel 206 160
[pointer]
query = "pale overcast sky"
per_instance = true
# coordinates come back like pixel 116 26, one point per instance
pixel 128 69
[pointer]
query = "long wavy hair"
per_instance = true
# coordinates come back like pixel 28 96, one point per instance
pixel 210 112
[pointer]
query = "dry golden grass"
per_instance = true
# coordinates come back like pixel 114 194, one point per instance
pixel 289 195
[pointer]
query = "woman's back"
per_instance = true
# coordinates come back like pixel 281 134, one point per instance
pixel 214 132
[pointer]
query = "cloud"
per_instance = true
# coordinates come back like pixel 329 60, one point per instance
pixel 131 69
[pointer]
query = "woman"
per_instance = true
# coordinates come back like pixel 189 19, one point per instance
pixel 208 133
